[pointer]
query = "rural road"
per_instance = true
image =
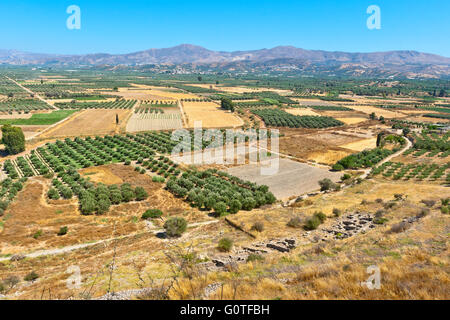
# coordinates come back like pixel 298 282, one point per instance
pixel 32 93
pixel 52 252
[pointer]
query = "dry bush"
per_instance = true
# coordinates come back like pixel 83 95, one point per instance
pixel 429 203
pixel 295 222
pixel 400 227
pixel 258 226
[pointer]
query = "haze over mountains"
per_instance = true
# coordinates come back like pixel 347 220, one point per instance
pixel 287 57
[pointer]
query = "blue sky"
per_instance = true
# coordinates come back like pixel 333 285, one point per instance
pixel 134 25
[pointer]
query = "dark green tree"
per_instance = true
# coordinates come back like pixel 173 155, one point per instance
pixel 13 139
pixel 227 104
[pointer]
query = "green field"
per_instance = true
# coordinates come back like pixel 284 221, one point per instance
pixel 40 118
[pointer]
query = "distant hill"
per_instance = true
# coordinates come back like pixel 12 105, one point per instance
pixel 405 62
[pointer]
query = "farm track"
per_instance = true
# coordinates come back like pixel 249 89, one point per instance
pixel 389 158
pixel 183 115
pixel 33 93
pixel 52 252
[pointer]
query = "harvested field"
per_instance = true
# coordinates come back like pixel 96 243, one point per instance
pixel 169 120
pixel 302 112
pixel 210 114
pixel 426 119
pixel 378 111
pixel 313 102
pixel 361 145
pixel 333 138
pixel 328 157
pixel 351 121
pixel 90 122
pixel 309 145
pixel 238 89
pixel 293 178
pixel 143 92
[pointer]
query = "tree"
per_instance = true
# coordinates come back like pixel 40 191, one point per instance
pixel 175 227
pixel 227 104
pixel 235 206
pixel 220 208
pixel 53 194
pixel 13 139
pixel 199 78
pixel 373 116
pixel 117 118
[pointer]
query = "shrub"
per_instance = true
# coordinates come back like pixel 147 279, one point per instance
pixel 2 287
pixel 444 210
pixel 37 234
pixel 225 245
pixel 158 179
pixel 312 223
pixel 445 202
pixel 4 205
pixel 11 282
pixel 152 214
pixel 175 227
pixel 141 194
pixel 380 220
pixel 424 212
pixel 327 184
pixel 338 167
pixel 258 226
pixel 103 205
pixel 295 222
pixel 32 276
pixel 321 216
pixel 429 203
pixel 254 257
pixel 400 227
pixel 389 205
pixel 66 193
pixel 220 208
pixel 337 212
pixel 379 213
pixel 346 176
pixel 63 231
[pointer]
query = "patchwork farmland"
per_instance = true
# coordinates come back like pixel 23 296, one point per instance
pixel 103 182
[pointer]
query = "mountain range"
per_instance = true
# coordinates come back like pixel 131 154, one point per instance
pixel 282 57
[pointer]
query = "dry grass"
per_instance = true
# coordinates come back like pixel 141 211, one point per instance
pixel 302 112
pixel 361 145
pixel 351 121
pixel 90 122
pixel 210 114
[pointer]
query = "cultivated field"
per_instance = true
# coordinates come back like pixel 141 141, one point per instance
pixel 90 122
pixel 378 111
pixel 169 120
pixel 302 112
pixel 210 114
